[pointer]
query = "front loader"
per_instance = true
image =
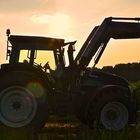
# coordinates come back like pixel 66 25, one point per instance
pixel 33 88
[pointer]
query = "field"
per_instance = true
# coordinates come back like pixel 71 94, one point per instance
pixel 69 128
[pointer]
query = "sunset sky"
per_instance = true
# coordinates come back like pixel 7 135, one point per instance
pixel 71 20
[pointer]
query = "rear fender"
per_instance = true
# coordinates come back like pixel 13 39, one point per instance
pixel 26 70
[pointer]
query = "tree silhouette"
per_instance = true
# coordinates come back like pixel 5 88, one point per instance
pixel 130 71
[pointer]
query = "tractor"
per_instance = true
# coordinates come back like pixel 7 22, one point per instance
pixel 37 82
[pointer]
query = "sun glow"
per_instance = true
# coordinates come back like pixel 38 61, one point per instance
pixel 59 24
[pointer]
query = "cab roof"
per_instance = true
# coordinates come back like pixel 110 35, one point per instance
pixel 35 42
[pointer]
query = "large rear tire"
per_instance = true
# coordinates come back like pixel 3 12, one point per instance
pixel 23 101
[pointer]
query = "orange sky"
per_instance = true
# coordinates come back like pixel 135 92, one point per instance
pixel 71 20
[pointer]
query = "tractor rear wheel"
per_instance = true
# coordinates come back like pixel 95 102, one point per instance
pixel 22 101
pixel 18 106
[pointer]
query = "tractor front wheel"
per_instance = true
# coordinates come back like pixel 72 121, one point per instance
pixel 110 110
pixel 114 115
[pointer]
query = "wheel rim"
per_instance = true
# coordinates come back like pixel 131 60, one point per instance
pixel 114 116
pixel 18 106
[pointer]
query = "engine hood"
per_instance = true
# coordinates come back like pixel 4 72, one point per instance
pixel 103 78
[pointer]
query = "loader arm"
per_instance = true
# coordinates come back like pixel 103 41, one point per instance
pixel 116 28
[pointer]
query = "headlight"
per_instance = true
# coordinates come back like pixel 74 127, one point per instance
pixel 130 88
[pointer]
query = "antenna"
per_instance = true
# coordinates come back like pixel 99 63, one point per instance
pixel 8 46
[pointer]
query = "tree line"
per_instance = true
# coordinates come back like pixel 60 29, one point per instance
pixel 130 71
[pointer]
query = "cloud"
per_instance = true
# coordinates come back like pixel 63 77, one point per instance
pixel 58 24
pixel 49 19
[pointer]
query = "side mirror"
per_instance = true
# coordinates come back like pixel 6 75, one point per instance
pixel 8 52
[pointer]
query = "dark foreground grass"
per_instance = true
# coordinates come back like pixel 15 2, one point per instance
pixel 14 134
pixel 87 134
pixel 72 131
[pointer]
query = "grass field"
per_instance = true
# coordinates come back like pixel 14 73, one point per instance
pixel 72 129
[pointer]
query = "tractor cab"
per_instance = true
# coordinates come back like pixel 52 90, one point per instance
pixel 43 52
